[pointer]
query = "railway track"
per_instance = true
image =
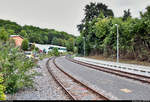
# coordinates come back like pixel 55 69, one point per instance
pixel 137 77
pixel 75 89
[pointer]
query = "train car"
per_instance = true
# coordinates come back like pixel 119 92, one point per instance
pixel 46 48
pixel 60 48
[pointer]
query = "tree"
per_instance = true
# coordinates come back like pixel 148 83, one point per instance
pixel 55 51
pixel 79 43
pixel 92 11
pixel 55 41
pixel 70 44
pixel 100 34
pixel 23 33
pixel 25 44
pixel 3 34
pixel 127 14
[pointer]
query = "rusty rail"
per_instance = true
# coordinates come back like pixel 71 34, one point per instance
pixel 66 91
pixel 101 97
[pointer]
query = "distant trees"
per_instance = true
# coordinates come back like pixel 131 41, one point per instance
pixel 25 44
pixel 127 14
pixel 34 34
pixel 23 33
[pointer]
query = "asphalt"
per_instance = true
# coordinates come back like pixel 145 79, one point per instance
pixel 122 88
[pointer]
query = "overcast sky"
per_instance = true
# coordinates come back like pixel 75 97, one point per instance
pixel 62 15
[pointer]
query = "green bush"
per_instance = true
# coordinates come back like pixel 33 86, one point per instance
pixel 3 34
pixel 25 44
pixel 2 89
pixel 43 55
pixel 55 52
pixel 15 68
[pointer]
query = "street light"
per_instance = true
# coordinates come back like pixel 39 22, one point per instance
pixel 73 46
pixel 84 45
pixel 117 44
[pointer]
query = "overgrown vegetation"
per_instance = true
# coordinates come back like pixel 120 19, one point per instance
pixel 100 32
pixel 25 45
pixel 54 52
pixel 2 88
pixel 14 66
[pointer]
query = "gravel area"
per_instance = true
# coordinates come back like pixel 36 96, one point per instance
pixel 45 87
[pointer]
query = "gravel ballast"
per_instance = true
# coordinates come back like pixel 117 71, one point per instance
pixel 45 87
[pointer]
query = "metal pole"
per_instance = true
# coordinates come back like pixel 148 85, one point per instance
pixel 73 45
pixel 84 45
pixel 117 45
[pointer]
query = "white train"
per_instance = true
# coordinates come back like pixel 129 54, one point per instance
pixel 48 48
pixel 60 48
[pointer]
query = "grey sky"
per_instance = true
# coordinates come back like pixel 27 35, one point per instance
pixel 62 15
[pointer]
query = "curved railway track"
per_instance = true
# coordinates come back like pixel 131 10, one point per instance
pixel 75 89
pixel 137 77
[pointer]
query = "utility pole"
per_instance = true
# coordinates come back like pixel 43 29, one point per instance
pixel 84 45
pixel 73 45
pixel 117 43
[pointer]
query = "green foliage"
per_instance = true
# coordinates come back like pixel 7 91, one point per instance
pixel 94 10
pixel 2 89
pixel 43 55
pixel 34 34
pixel 15 68
pixel 75 50
pixel 3 34
pixel 33 46
pixel 126 15
pixel 79 43
pixel 55 52
pixel 23 33
pixel 70 44
pixel 25 44
pixel 101 33
pixel 36 49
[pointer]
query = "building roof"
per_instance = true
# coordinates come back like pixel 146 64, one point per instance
pixel 18 39
pixel 16 36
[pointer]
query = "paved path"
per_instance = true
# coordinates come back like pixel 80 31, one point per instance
pixel 131 68
pixel 122 88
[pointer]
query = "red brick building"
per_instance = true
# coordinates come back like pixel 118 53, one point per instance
pixel 18 39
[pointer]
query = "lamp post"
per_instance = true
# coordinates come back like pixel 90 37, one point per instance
pixel 117 44
pixel 73 45
pixel 84 45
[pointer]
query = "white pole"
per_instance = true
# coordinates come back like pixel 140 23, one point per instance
pixel 84 45
pixel 73 45
pixel 117 45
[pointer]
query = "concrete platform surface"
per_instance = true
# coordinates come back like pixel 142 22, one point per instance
pixel 131 68
pixel 120 87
